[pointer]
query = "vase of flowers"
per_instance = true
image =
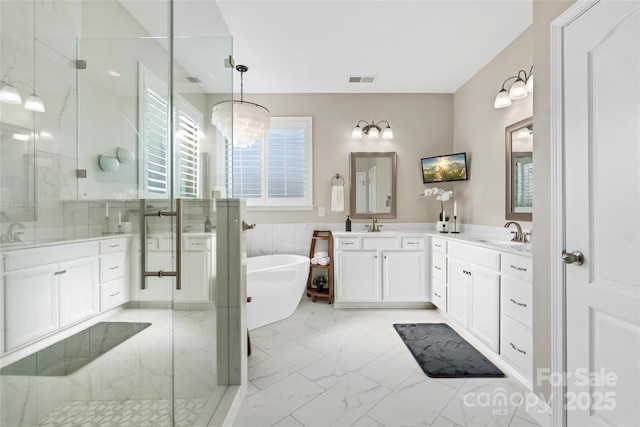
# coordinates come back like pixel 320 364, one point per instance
pixel 442 196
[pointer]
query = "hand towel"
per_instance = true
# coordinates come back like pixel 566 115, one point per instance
pixel 314 260
pixel 337 198
pixel 323 261
pixel 321 254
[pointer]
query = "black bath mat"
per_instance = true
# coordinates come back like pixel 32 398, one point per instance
pixel 67 356
pixel 442 353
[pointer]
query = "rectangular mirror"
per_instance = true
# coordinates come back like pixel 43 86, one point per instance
pixel 373 185
pixel 17 157
pixel 519 171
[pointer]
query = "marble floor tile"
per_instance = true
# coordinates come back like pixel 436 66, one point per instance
pixel 333 368
pixel 343 404
pixel 275 368
pixel 364 376
pixel 485 402
pixel 268 406
pixel 417 401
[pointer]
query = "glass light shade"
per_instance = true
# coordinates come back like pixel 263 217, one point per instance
pixel 244 125
pixel 374 133
pixel 518 90
pixel 34 103
pixel 523 133
pixel 502 99
pixel 357 132
pixel 10 95
pixel 529 84
pixel 387 133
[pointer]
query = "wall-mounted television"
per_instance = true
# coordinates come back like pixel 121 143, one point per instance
pixel 451 167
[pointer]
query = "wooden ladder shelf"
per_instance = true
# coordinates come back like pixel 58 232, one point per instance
pixel 312 291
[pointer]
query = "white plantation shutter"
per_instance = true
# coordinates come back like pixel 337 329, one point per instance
pixel 154 118
pixel 156 136
pixel 188 137
pixel 276 171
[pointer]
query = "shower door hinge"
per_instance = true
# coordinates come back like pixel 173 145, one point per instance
pixel 229 62
pixel 80 64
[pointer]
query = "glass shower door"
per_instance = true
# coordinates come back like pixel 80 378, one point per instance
pixel 127 140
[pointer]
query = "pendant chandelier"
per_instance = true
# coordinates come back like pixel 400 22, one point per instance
pixel 241 122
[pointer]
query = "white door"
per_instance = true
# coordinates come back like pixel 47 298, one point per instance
pixel 361 192
pixel 484 310
pixel 459 291
pixel 602 207
pixel 373 190
pixel 357 278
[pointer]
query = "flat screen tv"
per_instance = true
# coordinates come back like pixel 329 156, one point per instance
pixel 451 167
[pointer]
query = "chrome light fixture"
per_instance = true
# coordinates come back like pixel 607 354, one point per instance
pixel 9 94
pixel 372 130
pixel 520 88
pixel 241 122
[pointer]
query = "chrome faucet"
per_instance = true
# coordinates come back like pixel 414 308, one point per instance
pixel 374 225
pixel 14 236
pixel 517 235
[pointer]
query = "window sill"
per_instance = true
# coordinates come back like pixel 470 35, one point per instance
pixel 280 208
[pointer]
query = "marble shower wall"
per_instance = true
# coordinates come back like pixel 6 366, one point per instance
pixel 37 47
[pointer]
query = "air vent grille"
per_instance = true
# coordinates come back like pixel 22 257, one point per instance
pixel 361 79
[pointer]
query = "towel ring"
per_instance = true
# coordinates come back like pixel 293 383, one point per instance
pixel 336 177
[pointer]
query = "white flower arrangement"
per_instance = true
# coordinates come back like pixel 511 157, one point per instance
pixel 441 194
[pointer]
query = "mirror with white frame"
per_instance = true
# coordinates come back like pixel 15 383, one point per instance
pixel 373 185
pixel 519 170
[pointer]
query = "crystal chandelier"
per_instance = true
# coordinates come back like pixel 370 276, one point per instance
pixel 240 121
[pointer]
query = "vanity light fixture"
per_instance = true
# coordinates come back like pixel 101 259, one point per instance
pixel 240 121
pixel 9 94
pixel 520 88
pixel 372 130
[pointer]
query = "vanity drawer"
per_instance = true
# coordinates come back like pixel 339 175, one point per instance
pixel 439 295
pixel 412 242
pixel 112 266
pixel 379 243
pixel 196 244
pixel 343 243
pixel 439 267
pixel 113 245
pixel 516 345
pixel 112 294
pixel 517 266
pixel 32 257
pixel 438 245
pixel 516 300
pixel 476 255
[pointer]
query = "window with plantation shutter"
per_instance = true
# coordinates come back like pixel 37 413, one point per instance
pixel 275 172
pixel 154 124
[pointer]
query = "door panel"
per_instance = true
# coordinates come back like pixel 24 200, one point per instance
pixel 602 214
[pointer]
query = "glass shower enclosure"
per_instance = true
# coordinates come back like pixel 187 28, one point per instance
pixel 110 296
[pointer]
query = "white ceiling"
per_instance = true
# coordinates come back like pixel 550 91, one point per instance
pixel 419 46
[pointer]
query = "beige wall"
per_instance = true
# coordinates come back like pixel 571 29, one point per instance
pixel 422 126
pixel 479 130
pixel 544 12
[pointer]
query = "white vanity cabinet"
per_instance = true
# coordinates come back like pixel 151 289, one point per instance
pixel 48 288
pixel 474 291
pixel 439 287
pixel 198 270
pixel 516 340
pixel 113 272
pixel 374 270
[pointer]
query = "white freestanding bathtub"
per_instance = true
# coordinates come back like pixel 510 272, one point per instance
pixel 275 284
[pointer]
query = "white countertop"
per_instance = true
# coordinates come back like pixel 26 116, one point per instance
pixel 488 242
pixel 14 246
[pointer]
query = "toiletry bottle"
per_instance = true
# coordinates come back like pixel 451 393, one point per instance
pixel 347 224
pixel 207 225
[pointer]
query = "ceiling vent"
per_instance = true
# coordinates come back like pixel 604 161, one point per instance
pixel 191 79
pixel 361 79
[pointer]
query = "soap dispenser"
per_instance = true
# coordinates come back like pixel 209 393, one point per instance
pixel 347 224
pixel 207 225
